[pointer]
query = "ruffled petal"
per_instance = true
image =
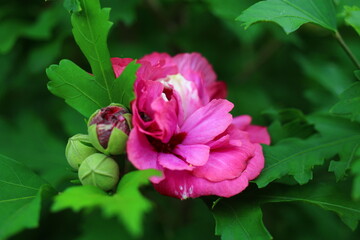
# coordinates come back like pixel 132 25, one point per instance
pixel 207 122
pixel 172 162
pixel 196 154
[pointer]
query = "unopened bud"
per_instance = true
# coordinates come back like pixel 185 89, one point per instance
pixel 109 128
pixel 77 149
pixel 100 171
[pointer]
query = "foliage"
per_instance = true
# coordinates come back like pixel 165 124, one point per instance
pixel 299 84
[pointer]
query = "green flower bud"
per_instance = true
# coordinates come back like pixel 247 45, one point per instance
pixel 109 128
pixel 77 149
pixel 99 170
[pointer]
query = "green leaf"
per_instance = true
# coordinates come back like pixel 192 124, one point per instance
pixel 352 17
pixel 22 193
pixel 323 193
pixel 297 157
pixel 291 14
pixel 288 123
pixel 79 89
pixel 349 104
pixel 73 6
pixel 237 219
pixel 123 88
pixel 127 204
pixel 90 29
pixel 355 170
pixel 41 151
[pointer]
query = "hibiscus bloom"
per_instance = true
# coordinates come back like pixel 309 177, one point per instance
pixel 183 127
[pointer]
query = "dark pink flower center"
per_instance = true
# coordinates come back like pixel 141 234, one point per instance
pixel 167 147
pixel 106 120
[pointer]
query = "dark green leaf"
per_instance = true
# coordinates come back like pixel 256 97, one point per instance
pixel 237 219
pixel 90 29
pixel 297 157
pixel 124 11
pixel 288 123
pixel 33 144
pixel 79 89
pixel 355 170
pixel 291 14
pixel 22 193
pixel 349 104
pixel 352 17
pixel 127 204
pixel 123 88
pixel 324 193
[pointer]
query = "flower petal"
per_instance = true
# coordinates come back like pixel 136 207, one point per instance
pixel 172 162
pixel 258 134
pixel 196 154
pixel 119 64
pixel 207 122
pixel 183 185
pixel 242 122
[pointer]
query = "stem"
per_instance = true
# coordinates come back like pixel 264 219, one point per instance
pixel 347 49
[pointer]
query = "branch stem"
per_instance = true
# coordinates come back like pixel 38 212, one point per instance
pixel 347 49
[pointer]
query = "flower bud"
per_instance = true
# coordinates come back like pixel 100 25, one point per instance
pixel 109 128
pixel 77 149
pixel 99 170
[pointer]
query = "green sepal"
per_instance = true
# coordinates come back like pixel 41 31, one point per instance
pixel 78 149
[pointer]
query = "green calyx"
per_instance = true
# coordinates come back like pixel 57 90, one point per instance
pixel 78 149
pixel 100 171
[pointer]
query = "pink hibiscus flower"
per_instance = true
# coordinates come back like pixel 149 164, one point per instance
pixel 182 127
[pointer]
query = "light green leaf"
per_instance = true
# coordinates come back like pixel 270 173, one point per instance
pixel 291 14
pixel 79 89
pixel 297 157
pixel 123 88
pixel 127 204
pixel 349 104
pixel 237 219
pixel 352 17
pixel 90 29
pixel 22 193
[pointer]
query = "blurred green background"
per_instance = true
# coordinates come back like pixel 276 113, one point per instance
pixel 264 69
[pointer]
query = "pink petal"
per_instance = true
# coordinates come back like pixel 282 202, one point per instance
pixel 196 154
pixel 255 164
pixel 141 154
pixel 242 122
pixel 226 163
pixel 170 161
pixel 183 185
pixel 119 65
pixel 258 134
pixel 156 66
pixel 216 90
pixel 194 62
pixel 207 122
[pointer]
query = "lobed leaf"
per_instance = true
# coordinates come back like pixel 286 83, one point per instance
pixel 239 218
pixel 90 30
pixel 127 204
pixel 349 104
pixel 297 157
pixel 291 14
pixel 79 89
